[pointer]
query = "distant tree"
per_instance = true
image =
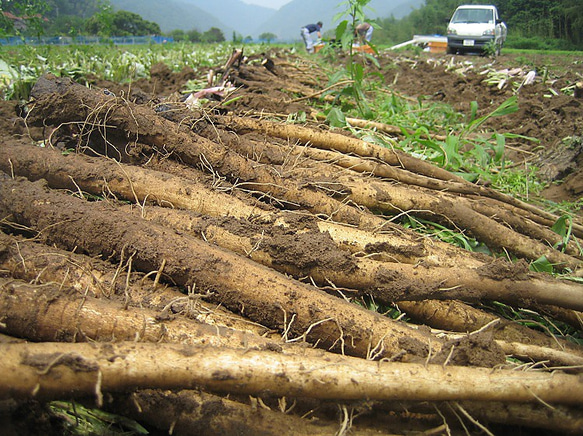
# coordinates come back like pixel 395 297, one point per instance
pixel 268 36
pixel 178 35
pixel 547 19
pixel 101 23
pixel 25 17
pixel 120 23
pixel 237 37
pixel 128 23
pixel 194 35
pixel 6 25
pixel 213 35
pixel 25 8
pixel 65 25
pixel 83 9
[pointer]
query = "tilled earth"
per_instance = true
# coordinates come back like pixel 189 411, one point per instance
pixel 547 114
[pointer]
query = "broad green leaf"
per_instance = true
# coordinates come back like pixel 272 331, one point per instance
pixel 341 29
pixel 499 147
pixel 560 226
pixel 336 118
pixel 452 156
pixel 542 264
pixel 473 110
pixel 563 227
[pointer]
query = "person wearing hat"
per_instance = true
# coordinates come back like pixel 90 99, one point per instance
pixel 307 33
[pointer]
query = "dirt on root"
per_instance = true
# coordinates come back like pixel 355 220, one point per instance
pixel 555 120
pixel 548 112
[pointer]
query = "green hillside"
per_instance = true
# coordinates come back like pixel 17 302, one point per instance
pixel 173 14
pixel 286 22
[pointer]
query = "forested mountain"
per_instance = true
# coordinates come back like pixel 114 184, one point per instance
pixel 286 22
pixel 242 17
pixel 173 14
pixel 51 8
pixel 246 19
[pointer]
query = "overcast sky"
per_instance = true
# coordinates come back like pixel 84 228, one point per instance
pixel 274 4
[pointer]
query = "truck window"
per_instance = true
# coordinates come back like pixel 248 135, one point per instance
pixel 473 16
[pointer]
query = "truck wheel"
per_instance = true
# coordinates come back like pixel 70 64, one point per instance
pixel 450 50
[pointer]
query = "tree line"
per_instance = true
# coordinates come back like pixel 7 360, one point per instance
pixel 87 17
pixel 549 24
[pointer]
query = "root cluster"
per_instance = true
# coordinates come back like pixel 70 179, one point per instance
pixel 204 269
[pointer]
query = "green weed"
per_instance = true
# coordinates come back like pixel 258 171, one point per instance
pixel 536 321
pixel 443 233
pixel 564 228
pixel 464 152
pixel 355 69
pixel 520 182
pixel 80 420
pixel 564 207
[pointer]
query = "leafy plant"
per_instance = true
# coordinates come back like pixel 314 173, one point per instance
pixel 392 312
pixel 564 228
pixel 443 233
pixel 542 264
pixel 536 321
pixel 490 49
pixel 465 153
pixel 354 71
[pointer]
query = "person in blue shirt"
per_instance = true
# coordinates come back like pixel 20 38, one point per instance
pixel 307 33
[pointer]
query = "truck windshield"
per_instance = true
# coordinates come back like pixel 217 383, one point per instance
pixel 473 16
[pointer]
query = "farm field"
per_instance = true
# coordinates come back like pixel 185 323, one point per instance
pixel 188 245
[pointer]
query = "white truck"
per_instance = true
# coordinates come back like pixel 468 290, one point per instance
pixel 475 28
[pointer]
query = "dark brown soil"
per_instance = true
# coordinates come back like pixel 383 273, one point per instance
pixel 552 120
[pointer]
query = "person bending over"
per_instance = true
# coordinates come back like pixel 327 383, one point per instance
pixel 363 32
pixel 308 32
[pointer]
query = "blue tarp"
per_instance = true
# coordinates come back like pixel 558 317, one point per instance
pixel 85 40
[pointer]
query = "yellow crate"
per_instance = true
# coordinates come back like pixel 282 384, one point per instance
pixel 364 49
pixel 437 46
pixel 318 47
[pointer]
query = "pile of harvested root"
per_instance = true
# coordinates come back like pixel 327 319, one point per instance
pixel 207 272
